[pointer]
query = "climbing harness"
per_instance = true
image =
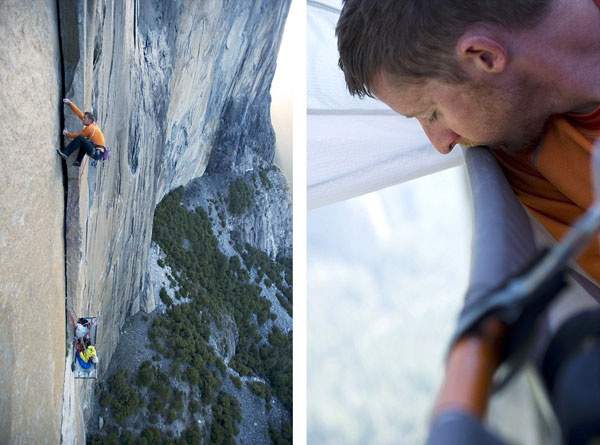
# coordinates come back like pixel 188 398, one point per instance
pixel 101 148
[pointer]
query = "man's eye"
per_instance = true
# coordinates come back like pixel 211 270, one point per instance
pixel 433 117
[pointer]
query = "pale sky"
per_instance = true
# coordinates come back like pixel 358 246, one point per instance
pixel 282 90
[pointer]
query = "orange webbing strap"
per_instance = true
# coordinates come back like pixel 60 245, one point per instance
pixel 72 315
pixel 470 368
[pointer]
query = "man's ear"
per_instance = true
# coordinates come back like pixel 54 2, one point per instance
pixel 482 53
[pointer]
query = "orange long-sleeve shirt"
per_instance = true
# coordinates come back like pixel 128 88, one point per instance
pixel 554 182
pixel 92 131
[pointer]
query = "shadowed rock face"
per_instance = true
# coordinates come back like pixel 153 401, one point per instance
pixel 177 87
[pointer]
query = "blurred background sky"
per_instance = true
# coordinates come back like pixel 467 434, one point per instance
pixel 386 276
pixel 282 89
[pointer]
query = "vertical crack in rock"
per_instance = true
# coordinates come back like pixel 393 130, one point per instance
pixel 65 179
pixel 71 429
pixel 61 147
pixel 62 125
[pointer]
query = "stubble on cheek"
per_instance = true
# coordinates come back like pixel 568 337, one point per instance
pixel 525 138
pixel 515 121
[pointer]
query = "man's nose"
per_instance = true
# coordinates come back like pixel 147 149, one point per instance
pixel 443 139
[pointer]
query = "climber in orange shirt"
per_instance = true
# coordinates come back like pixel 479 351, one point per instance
pixel 90 140
pixel 519 76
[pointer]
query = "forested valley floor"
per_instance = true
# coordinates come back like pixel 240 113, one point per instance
pixel 212 341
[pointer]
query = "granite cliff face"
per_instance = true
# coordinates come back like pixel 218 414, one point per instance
pixel 267 224
pixel 32 277
pixel 178 88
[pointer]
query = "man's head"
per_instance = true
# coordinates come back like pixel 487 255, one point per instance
pixel 444 62
pixel 88 118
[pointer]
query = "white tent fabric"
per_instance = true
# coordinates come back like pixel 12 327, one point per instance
pixel 354 146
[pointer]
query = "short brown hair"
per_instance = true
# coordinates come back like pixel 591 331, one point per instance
pixel 89 115
pixel 414 40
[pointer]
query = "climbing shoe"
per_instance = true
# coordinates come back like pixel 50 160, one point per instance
pixel 77 163
pixel 61 154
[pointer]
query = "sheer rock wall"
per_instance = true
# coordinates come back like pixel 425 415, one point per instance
pixel 177 87
pixel 32 268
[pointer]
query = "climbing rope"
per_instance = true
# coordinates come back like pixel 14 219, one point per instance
pixel 70 242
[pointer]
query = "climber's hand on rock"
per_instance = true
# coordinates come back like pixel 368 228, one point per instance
pixel 67 101
pixel 65 131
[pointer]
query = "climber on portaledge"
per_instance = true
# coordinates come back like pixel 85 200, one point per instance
pixel 88 352
pixel 82 329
